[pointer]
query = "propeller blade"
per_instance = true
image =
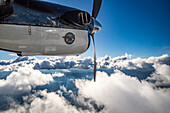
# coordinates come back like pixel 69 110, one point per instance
pixel 94 51
pixel 96 8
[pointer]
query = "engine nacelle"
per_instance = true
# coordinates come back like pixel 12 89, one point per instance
pixel 76 18
pixel 5 8
pixel 43 40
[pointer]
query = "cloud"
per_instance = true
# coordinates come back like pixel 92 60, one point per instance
pixel 58 75
pixel 10 65
pixel 12 54
pixel 45 102
pixel 123 94
pixel 60 62
pixel 122 63
pixel 51 102
pixel 135 85
pixel 23 81
pixel 117 93
pixel 161 76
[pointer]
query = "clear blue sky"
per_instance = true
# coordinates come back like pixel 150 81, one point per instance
pixel 137 27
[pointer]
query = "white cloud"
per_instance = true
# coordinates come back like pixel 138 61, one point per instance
pixel 12 54
pixel 118 92
pixel 161 76
pixel 23 80
pixel 48 103
pixel 58 75
pixel 123 94
pixel 122 62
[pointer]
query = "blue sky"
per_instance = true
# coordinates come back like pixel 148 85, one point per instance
pixel 137 27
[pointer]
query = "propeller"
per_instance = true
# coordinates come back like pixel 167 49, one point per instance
pixel 94 52
pixel 96 26
pixel 96 8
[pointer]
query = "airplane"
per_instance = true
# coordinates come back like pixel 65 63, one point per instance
pixel 36 27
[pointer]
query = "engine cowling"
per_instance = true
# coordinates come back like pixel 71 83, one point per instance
pixel 76 18
pixel 5 8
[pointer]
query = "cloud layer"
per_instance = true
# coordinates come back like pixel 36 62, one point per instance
pixel 135 85
pixel 123 94
pixel 23 81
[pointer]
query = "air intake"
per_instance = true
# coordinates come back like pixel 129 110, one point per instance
pixel 76 18
pixel 5 8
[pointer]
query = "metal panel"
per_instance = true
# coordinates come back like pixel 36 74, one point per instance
pixel 36 40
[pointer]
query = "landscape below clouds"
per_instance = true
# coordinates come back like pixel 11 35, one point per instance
pixel 65 85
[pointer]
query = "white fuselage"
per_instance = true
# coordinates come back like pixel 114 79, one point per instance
pixel 38 40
